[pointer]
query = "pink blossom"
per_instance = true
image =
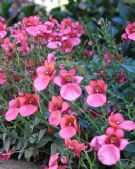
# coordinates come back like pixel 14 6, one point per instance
pixel 109 145
pixel 68 124
pixel 69 83
pixel 97 93
pixel 67 46
pixel 55 41
pixel 13 110
pixel 66 25
pixel 117 121
pixel 56 107
pixel 30 21
pixel 75 146
pixel 130 31
pixel 30 106
pixel 45 75
pixel 24 105
pixel 6 155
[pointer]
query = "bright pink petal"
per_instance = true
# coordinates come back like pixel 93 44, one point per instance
pixel 127 125
pixel 72 72
pixel 70 91
pixel 54 45
pixel 67 132
pixel 96 100
pixel 109 154
pixel 132 36
pixel 58 81
pixel 97 142
pixel 41 71
pixel 65 106
pixel 75 41
pixel 54 118
pixel 41 83
pixel 123 144
pixel 89 89
pixel 78 79
pixel 11 114
pixel 27 110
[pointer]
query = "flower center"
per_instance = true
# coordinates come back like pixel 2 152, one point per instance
pixel 113 140
pixel 98 89
pixel 68 79
pixel 49 71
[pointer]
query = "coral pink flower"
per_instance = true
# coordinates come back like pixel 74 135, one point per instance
pixel 30 21
pixel 75 146
pixel 109 145
pixel 30 105
pixel 57 103
pixel 53 162
pixel 6 155
pixel 56 107
pixel 14 106
pixel 69 83
pixel 55 41
pixel 75 40
pixel 45 75
pixel 66 25
pixel 130 31
pixel 117 121
pixel 48 27
pixel 68 124
pixel 67 46
pixel 97 93
pixel 2 76
pixel 25 106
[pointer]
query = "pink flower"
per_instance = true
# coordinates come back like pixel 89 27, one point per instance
pixel 3 78
pixel 48 26
pixel 66 25
pixel 13 110
pixel 57 103
pixel 117 121
pixel 109 145
pixel 130 31
pixel 6 155
pixel 69 83
pixel 45 75
pixel 124 37
pixel 75 146
pixel 75 40
pixel 68 124
pixel 25 106
pixel 67 46
pixel 53 162
pixel 97 93
pixel 30 105
pixel 30 21
pixel 55 41
pixel 56 107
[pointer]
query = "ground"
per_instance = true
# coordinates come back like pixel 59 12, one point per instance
pixel 11 164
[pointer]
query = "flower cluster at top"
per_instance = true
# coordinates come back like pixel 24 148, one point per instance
pixel 64 36
pixel 23 36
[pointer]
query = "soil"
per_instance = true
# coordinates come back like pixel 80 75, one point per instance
pixel 12 164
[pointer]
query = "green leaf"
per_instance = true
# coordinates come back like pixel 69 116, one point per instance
pixel 130 148
pixel 28 153
pixel 41 134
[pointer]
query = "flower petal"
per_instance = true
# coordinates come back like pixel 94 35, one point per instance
pixel 11 114
pixel 41 83
pixel 109 154
pixel 54 118
pixel 27 110
pixel 123 144
pixel 67 132
pixel 127 125
pixel 58 81
pixel 96 100
pixel 78 79
pixel 70 91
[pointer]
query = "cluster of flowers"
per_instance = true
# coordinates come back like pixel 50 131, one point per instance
pixel 63 36
pixel 109 145
pixel 24 35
